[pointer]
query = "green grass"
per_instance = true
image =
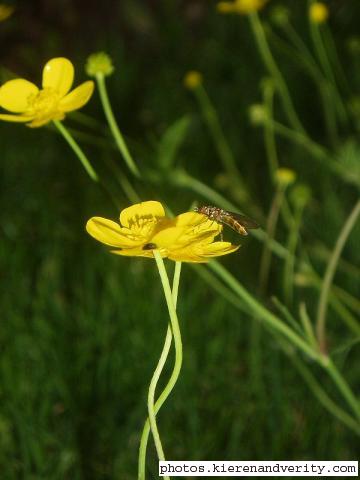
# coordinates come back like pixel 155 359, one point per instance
pixel 81 330
pixel 79 341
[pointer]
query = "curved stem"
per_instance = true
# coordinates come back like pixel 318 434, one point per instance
pixel 119 139
pixel 76 149
pixel 154 409
pixel 330 272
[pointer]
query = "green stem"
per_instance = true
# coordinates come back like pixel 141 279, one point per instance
pixel 219 287
pixel 221 144
pixel 76 149
pixel 171 299
pixel 313 384
pixel 323 397
pixel 330 272
pixel 287 315
pixel 318 152
pixel 305 55
pixel 340 301
pixel 276 324
pixel 346 297
pixel 270 146
pixel 119 139
pixel 270 230
pixel 325 91
pixel 261 312
pixel 323 253
pixel 274 71
pixel 334 57
pixel 343 387
pixel 127 187
pixel 270 143
pixel 324 61
pixel 289 266
pixel 307 325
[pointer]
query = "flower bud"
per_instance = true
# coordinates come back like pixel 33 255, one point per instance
pixel 318 12
pixel 193 79
pixel 300 195
pixel 285 177
pixel 99 63
pixel 257 114
pixel 280 15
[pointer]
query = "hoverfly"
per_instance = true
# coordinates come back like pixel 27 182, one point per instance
pixel 239 223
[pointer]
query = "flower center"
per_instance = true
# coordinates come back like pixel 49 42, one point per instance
pixel 45 102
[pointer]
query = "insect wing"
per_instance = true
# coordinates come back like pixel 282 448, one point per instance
pixel 243 220
pixel 234 224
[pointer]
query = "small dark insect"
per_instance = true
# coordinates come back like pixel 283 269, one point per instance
pixel 149 246
pixel 237 222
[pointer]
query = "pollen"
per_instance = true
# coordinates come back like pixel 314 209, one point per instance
pixel 44 102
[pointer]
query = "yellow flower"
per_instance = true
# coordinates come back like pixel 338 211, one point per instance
pixel 242 7
pixel 319 12
pixel 38 107
pixel 143 227
pixel 5 11
pixel 193 79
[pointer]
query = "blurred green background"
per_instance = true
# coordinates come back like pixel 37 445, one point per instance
pixel 80 334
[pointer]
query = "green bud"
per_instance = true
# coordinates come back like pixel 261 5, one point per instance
pixel 257 114
pixel 285 177
pixel 300 195
pixel 99 63
pixel 280 15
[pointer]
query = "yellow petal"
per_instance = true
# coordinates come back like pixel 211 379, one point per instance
pixel 216 249
pixel 110 233
pixel 190 218
pixel 44 119
pixel 197 221
pixel 196 228
pixel 200 253
pixel 15 95
pixel 167 237
pixel 58 74
pixel 139 252
pixel 15 118
pixel 186 256
pixel 78 97
pixel 146 211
